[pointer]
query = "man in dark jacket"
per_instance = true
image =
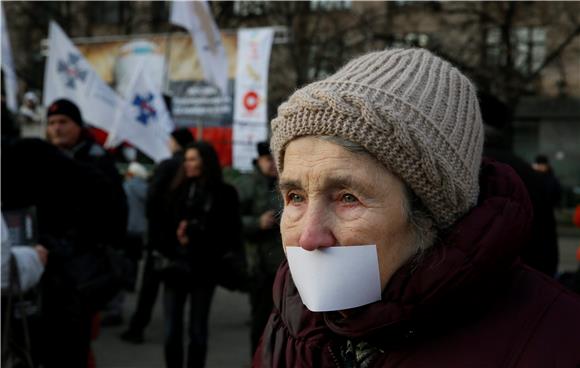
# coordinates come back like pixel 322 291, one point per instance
pixel 66 130
pixel 541 251
pixel 551 183
pixel 402 242
pixel 157 217
pixel 260 206
pixel 73 203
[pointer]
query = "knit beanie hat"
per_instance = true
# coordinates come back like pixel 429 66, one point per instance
pixel 411 110
pixel 65 107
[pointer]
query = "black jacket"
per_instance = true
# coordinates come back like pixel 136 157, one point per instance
pixel 541 252
pixel 74 203
pixel 89 152
pixel 214 226
pixel 74 200
pixel 157 195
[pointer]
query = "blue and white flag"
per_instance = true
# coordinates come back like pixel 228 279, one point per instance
pixel 10 81
pixel 145 122
pixel 195 16
pixel 69 75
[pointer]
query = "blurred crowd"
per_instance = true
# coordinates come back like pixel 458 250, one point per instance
pixel 187 227
pixel 180 227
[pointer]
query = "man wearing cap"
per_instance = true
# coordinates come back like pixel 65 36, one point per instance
pixel 260 206
pixel 402 241
pixel 551 183
pixel 541 252
pixel 66 130
pixel 73 203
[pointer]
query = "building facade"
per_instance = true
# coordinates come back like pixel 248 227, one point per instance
pixel 525 53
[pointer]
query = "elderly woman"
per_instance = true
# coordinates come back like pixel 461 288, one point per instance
pixel 402 241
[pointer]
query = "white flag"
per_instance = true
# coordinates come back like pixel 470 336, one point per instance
pixel 145 122
pixel 195 16
pixel 10 81
pixel 251 94
pixel 69 75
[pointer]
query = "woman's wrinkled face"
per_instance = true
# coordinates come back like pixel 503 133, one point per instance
pixel 193 165
pixel 334 197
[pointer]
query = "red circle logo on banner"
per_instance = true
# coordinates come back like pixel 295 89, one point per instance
pixel 251 100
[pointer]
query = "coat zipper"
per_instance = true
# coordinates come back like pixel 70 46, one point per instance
pixel 336 361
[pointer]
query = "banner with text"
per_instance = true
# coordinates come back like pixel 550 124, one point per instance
pixel 194 100
pixel 251 94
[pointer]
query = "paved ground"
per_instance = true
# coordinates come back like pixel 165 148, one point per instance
pixel 568 242
pixel 229 345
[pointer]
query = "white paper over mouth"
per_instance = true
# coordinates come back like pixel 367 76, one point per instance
pixel 336 278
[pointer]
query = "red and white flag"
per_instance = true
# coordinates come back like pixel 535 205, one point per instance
pixel 251 94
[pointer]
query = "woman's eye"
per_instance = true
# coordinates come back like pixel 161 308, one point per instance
pixel 349 198
pixel 295 198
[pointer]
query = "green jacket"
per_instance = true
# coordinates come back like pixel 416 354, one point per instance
pixel 258 194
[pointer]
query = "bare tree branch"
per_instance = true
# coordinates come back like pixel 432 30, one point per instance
pixel 554 54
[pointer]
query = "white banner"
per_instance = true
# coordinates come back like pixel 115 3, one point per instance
pixel 145 122
pixel 68 75
pixel 195 16
pixel 251 94
pixel 10 81
pixel 245 137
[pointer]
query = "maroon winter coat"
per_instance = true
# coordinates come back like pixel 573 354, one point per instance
pixel 468 303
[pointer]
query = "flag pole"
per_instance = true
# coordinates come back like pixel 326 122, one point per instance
pixel 167 60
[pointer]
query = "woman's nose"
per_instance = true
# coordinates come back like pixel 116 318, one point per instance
pixel 316 233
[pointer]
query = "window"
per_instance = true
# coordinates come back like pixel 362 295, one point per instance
pixel 412 39
pixel 324 59
pixel 417 39
pixel 528 48
pixel 329 5
pixel 247 8
pixel 106 12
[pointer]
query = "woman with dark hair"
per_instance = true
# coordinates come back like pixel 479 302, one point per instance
pixel 203 206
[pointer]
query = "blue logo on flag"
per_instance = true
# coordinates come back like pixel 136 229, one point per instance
pixel 71 71
pixel 146 110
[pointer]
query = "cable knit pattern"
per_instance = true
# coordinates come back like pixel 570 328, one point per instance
pixel 413 111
